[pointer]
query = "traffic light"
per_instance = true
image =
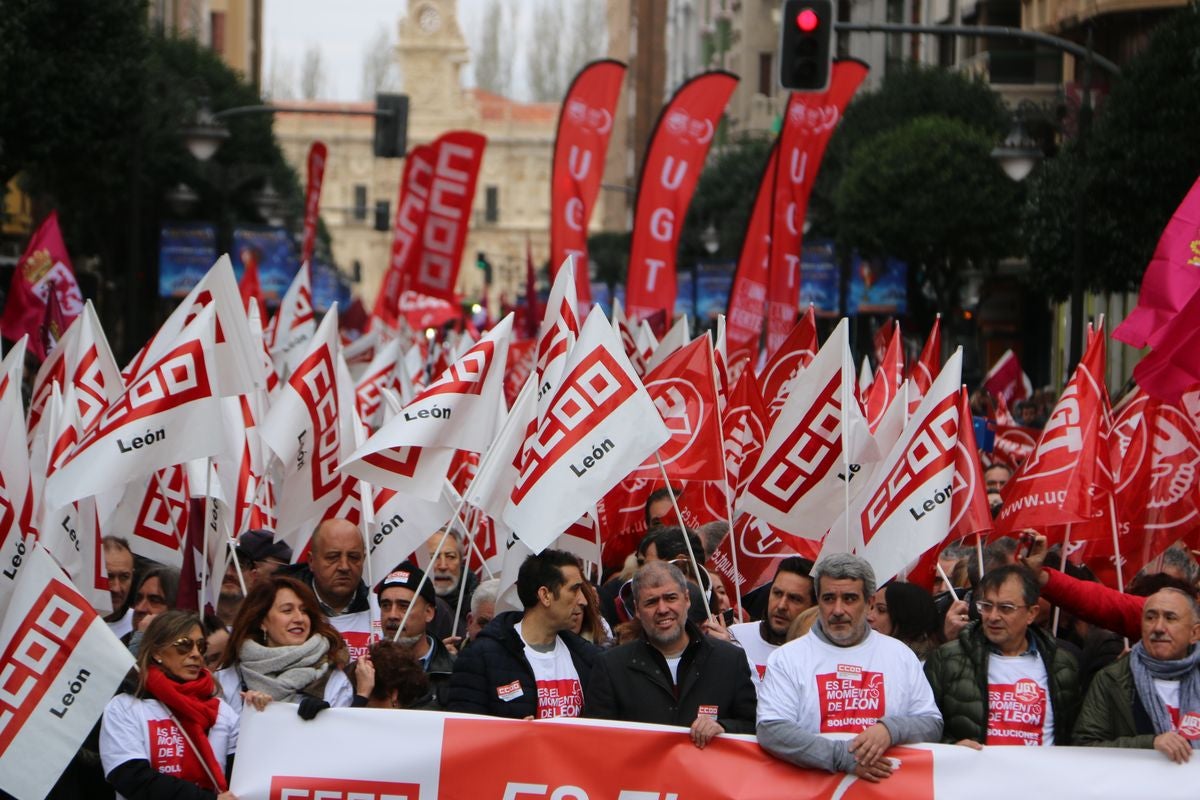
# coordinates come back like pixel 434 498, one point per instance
pixel 483 264
pixel 805 50
pixel 391 127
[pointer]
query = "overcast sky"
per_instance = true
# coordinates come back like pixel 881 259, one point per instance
pixel 342 31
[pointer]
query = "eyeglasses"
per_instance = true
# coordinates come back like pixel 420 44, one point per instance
pixel 184 646
pixel 1004 609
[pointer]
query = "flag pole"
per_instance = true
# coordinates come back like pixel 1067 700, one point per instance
pixel 425 573
pixel 684 532
pixel 1062 567
pixel 204 570
pixel 1112 512
pixel 979 551
pixel 946 578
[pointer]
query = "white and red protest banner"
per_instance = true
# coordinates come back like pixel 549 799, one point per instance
pixel 748 296
pixel 788 361
pixel 44 267
pixel 317 155
pixel 905 509
pixel 350 753
pixel 165 416
pixel 601 424
pixel 16 489
pixel 670 172
pixel 628 338
pixel 59 666
pixel 888 378
pixel 557 334
pixel 808 122
pixel 585 124
pixel 1006 379
pixel 451 193
pixel 380 374
pixel 926 367
pixel 800 484
pixel 407 228
pixel 293 325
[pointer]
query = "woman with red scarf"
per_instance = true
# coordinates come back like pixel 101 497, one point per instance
pixel 174 737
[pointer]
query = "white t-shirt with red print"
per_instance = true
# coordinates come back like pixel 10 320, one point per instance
pixel 560 694
pixel 1186 725
pixel 824 688
pixel 749 636
pixel 1019 711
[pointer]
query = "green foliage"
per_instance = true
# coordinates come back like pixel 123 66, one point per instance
pixel 1141 159
pixel 725 198
pixel 929 193
pixel 608 253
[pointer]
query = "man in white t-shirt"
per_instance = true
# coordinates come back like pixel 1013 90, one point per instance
pixel 1152 698
pixel 1031 684
pixel 528 664
pixel 790 594
pixel 843 677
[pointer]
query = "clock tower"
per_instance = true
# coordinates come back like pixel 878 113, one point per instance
pixel 432 53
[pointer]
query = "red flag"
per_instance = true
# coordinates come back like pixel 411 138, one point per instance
pixel 926 367
pixel 969 510
pixel 887 379
pixel 745 426
pixel 1006 379
pixel 671 169
pixel 808 122
pixel 747 297
pixel 44 267
pixel 1065 479
pixel 249 286
pixel 584 126
pixel 628 339
pixel 407 229
pixel 760 548
pixel 459 154
pixel 317 154
pixel 1171 279
pixel 796 353
pixel 1173 363
pixel 683 389
pixel 54 324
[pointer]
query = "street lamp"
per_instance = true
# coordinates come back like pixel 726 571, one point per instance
pixel 710 239
pixel 1018 154
pixel 269 204
pixel 182 199
pixel 205 135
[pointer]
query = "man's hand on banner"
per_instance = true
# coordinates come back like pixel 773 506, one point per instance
pixel 869 746
pixel 704 730
pixel 257 699
pixel 876 772
pixel 971 743
pixel 1173 746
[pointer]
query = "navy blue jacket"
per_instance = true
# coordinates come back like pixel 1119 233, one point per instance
pixel 495 659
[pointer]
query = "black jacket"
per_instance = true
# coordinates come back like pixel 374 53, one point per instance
pixel 302 572
pixel 439 670
pixel 497 658
pixel 632 683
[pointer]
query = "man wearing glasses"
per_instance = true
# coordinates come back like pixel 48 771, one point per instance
pixel 1004 681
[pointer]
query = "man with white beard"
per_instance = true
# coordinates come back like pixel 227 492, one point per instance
pixel 397 591
pixel 445 572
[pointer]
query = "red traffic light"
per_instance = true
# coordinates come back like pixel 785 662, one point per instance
pixel 807 20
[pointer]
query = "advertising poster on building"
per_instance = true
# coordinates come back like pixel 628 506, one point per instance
pixel 186 251
pixel 878 286
pixel 820 279
pixel 273 250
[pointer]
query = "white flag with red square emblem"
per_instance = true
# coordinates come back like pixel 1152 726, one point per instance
pixel 600 425
pixel 293 326
pixel 166 416
pixel 16 490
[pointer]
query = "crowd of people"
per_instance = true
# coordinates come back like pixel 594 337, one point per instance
pixel 1010 651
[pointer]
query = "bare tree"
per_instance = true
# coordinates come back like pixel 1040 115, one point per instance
pixel 379 68
pixel 588 40
pixel 543 54
pixel 281 78
pixel 494 54
pixel 312 73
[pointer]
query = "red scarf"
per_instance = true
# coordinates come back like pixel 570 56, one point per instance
pixel 195 706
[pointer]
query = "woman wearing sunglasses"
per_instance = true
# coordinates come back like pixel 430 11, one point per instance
pixel 173 737
pixel 282 648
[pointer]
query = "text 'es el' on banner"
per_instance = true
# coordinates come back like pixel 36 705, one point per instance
pixel 425 755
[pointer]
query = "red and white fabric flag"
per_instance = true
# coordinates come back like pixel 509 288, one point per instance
pixel 788 361
pixel 905 509
pixel 760 548
pixel 499 467
pixel 44 267
pixel 236 357
pixel 601 425
pixel 865 378
pixel 17 527
pixel 1171 278
pixel 408 228
pixel 250 287
pixel 557 334
pixel 926 367
pixel 745 425
pixel 460 410
pixel 969 510
pixel 748 295
pixel 585 124
pixel 887 379
pixel 1006 379
pixel 811 452
pixel 318 153
pixel 308 432
pixel 1068 476
pixel 153 515
pixel 83 359
pixel 1173 364
pixel 165 416
pixel 626 333
pixel 61 665
pixel 293 325
pixel 379 375
pixel 683 390
pixel 675 338
pixel 402 524
pixel 670 171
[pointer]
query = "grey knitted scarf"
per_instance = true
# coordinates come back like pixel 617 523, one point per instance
pixel 283 671
pixel 1186 670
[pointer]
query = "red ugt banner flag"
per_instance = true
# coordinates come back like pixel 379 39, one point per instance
pixel 670 172
pixel 747 298
pixel 407 230
pixel 44 267
pixel 317 153
pixel 584 126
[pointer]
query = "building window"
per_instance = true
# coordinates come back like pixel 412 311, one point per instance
pixel 383 215
pixel 216 21
pixel 360 202
pixel 766 77
pixel 491 211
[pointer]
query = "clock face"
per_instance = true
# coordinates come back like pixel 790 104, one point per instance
pixel 429 19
